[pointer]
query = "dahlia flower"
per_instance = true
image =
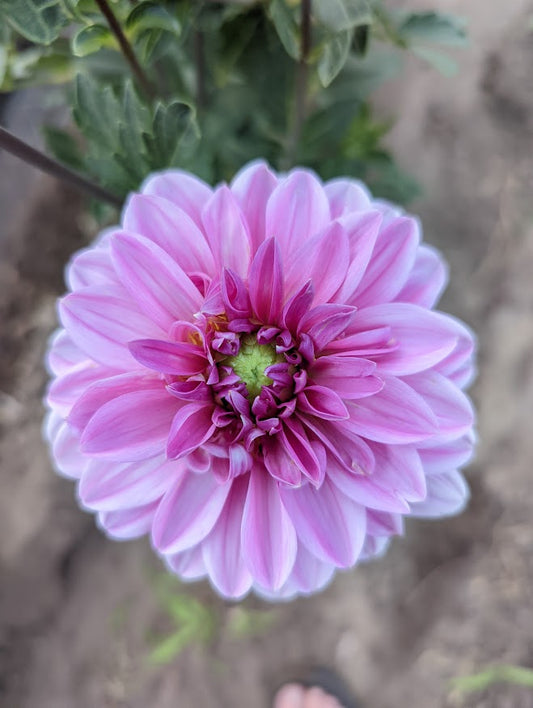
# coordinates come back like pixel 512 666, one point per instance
pixel 254 375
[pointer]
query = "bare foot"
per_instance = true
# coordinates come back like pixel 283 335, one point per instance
pixel 294 696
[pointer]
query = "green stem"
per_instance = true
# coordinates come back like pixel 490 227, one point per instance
pixel 300 88
pixel 22 150
pixel 126 47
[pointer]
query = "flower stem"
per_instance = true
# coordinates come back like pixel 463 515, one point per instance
pixel 300 89
pixel 19 148
pixel 126 48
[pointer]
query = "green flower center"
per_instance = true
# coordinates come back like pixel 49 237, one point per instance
pixel 250 364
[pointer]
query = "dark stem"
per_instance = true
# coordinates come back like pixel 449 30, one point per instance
pixel 199 56
pixel 300 87
pixel 37 159
pixel 126 48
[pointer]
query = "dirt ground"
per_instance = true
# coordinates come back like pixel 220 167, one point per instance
pixel 79 614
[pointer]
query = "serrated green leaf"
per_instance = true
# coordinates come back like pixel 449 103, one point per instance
pixel 91 39
pixel 339 15
pixel 286 26
pixel 63 146
pixel 334 57
pixel 149 16
pixel 434 27
pixel 95 111
pixel 438 60
pixel 40 21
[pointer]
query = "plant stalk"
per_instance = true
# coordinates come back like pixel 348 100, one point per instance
pixel 301 81
pixel 126 48
pixel 22 150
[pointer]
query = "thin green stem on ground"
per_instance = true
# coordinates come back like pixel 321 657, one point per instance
pixel 126 48
pixel 22 150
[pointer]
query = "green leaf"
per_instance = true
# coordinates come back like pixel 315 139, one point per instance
pixel 150 16
pixel 517 675
pixel 63 146
pixel 4 58
pixel 434 27
pixel 91 39
pixel 96 111
pixel 334 57
pixel 339 15
pixel 40 21
pixel 438 60
pixel 360 40
pixel 286 26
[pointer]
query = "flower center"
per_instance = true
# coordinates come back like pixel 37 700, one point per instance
pixel 250 364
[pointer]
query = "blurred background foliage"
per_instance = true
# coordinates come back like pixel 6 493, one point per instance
pixel 207 86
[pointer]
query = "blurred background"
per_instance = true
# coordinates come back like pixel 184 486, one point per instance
pixel 89 623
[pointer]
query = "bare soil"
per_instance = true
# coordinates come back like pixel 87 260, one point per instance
pixel 78 613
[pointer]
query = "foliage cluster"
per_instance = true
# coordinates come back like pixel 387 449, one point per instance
pixel 218 82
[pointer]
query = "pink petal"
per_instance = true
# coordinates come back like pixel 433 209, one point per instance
pixel 427 279
pixel 392 260
pixel 65 442
pixel 323 403
pixel 350 377
pixel 252 187
pixel 64 356
pixel 188 512
pixel 309 574
pixel 322 259
pixel 109 486
pixel 365 491
pixel 297 210
pixel 398 468
pixel 298 448
pixel 175 358
pixel 266 283
pixel 189 564
pixel 235 295
pixel 447 456
pixel 222 552
pixel 106 389
pixel 101 321
pixel 227 231
pixel 325 323
pixel 330 525
pixel 65 390
pixel 154 280
pixel 447 495
pixel 92 266
pixel 362 229
pixel 423 337
pixel 268 538
pixel 346 195
pixel 296 307
pixel 396 415
pixel 383 523
pixel 191 427
pixel 451 407
pixel 342 444
pixel 181 188
pixel 172 229
pixel 128 523
pixel 131 427
pixel 363 344
pixel 279 463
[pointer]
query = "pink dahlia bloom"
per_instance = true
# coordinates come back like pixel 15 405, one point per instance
pixel 254 375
